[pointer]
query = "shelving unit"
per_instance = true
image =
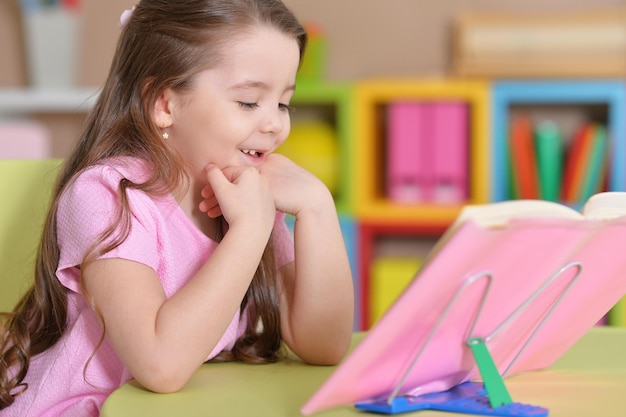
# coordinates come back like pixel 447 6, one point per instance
pixel 19 102
pixel 58 112
pixel 357 113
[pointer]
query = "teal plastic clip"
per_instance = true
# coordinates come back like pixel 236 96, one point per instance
pixel 494 385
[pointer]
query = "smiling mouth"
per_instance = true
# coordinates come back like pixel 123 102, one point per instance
pixel 252 153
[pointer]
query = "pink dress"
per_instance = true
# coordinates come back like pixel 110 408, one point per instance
pixel 163 238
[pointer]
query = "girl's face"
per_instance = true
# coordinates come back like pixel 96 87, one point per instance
pixel 238 112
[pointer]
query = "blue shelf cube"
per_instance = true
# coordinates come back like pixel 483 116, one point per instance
pixel 611 93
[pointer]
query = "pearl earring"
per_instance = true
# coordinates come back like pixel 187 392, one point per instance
pixel 166 135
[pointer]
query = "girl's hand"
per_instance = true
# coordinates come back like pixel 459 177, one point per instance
pixel 292 186
pixel 240 194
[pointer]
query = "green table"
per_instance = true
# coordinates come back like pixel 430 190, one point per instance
pixel 590 380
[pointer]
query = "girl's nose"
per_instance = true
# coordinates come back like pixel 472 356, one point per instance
pixel 274 121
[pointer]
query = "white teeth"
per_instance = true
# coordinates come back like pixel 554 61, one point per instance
pixel 250 152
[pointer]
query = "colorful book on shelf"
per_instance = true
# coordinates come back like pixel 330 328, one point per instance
pixel 549 151
pixel 576 163
pixel 594 171
pixel 529 278
pixel 523 158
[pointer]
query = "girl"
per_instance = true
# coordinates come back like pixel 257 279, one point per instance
pixel 165 245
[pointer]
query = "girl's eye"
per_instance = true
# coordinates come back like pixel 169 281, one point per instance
pixel 247 105
pixel 286 107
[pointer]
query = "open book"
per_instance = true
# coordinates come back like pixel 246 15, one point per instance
pixel 601 206
pixel 550 273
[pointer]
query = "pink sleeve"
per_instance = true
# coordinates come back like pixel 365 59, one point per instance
pixel 87 207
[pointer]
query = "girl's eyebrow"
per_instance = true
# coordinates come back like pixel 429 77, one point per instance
pixel 251 84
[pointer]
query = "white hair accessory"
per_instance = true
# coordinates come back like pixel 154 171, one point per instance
pixel 126 15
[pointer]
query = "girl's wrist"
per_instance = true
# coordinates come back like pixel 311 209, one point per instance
pixel 317 205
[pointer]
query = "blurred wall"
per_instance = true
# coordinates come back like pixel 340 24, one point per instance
pixel 371 38
pixel 367 38
pixel 12 66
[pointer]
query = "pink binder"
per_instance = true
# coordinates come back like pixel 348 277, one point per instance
pixel 550 280
pixel 450 152
pixel 407 152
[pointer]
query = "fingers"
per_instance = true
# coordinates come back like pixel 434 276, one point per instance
pixel 233 191
pixel 211 207
pixel 210 204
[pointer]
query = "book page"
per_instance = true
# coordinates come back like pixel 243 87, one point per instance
pixel 500 213
pixel 604 206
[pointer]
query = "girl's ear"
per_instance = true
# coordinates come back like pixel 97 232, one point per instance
pixel 162 114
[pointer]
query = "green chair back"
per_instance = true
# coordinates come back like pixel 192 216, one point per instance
pixel 25 190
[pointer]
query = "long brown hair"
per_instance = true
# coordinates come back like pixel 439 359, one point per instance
pixel 164 45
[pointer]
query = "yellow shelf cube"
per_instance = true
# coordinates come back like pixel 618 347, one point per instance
pixel 371 97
